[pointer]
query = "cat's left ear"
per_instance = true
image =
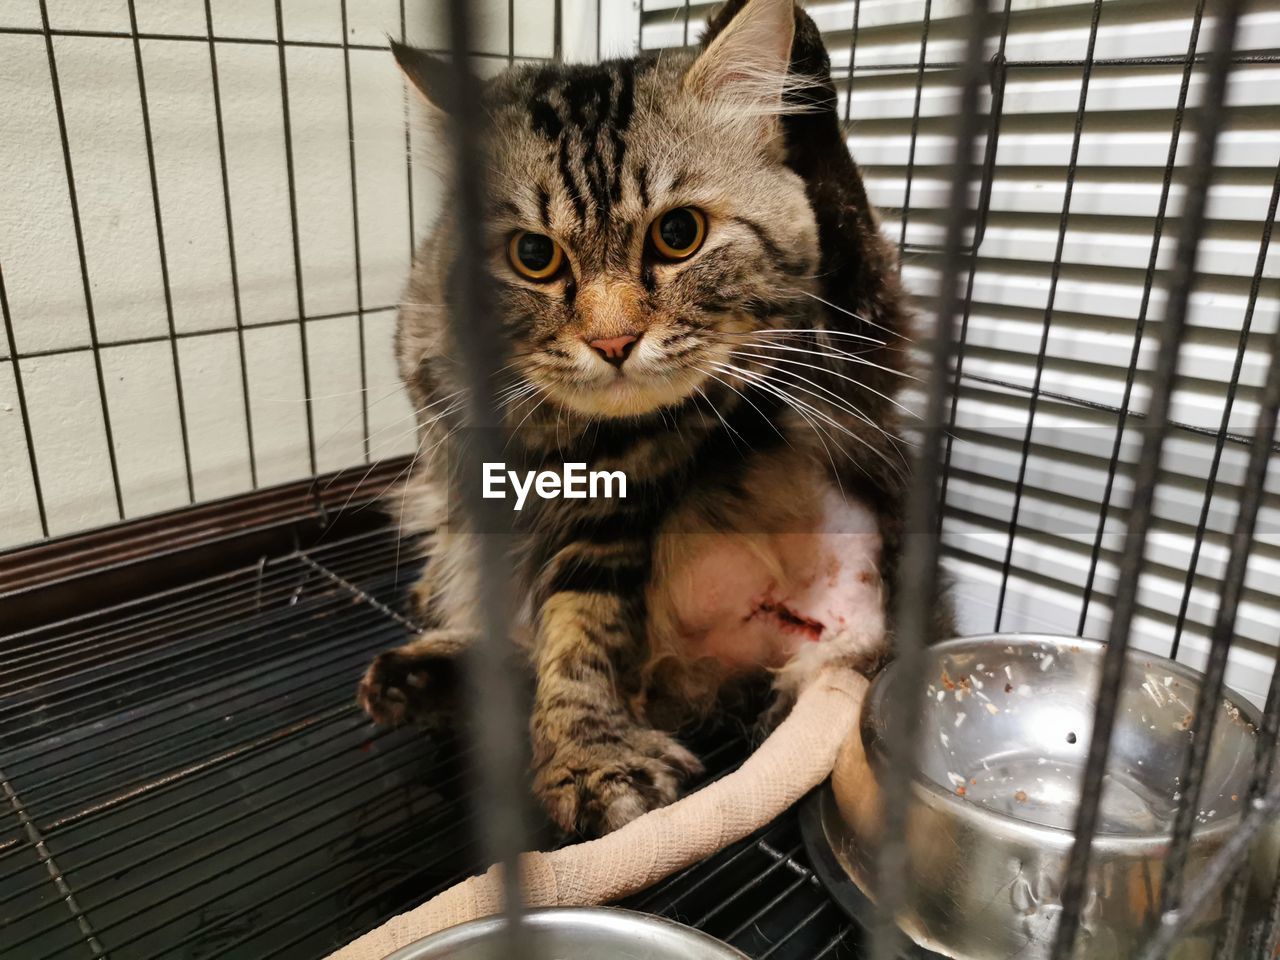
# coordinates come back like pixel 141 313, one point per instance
pixel 746 64
pixel 430 75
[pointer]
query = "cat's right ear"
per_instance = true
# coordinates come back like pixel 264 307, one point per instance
pixel 428 74
pixel 746 64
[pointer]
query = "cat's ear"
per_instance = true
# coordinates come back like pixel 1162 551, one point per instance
pixel 746 64
pixel 430 75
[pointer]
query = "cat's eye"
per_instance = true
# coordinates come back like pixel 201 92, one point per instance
pixel 678 233
pixel 534 256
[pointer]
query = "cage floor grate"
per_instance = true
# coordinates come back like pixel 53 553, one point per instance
pixel 185 775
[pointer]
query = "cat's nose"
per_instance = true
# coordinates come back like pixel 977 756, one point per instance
pixel 614 350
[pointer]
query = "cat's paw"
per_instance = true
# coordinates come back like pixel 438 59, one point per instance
pixel 399 688
pixel 593 790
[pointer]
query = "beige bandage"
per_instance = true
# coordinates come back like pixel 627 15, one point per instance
pixel 795 758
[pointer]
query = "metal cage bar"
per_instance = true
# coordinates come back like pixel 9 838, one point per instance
pixel 915 124
pixel 1055 273
pixel 162 251
pixel 237 307
pixel 498 751
pixel 496 700
pixel 913 611
pixel 1242 346
pixel 294 237
pixel 86 287
pixel 1148 284
pixel 355 231
pixel 22 406
pixel 1172 332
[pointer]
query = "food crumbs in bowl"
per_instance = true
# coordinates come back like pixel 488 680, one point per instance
pixel 1021 796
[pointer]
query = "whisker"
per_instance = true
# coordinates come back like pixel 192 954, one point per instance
pixel 699 391
pixel 834 373
pixel 424 427
pixel 818 432
pixel 526 417
pixel 329 396
pixel 351 419
pixel 514 393
pixel 842 403
pixel 835 353
pixel 387 426
pixel 850 313
pixel 776 387
pixel 810 331
pixel 747 400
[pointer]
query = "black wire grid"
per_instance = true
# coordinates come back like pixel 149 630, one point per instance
pixel 185 774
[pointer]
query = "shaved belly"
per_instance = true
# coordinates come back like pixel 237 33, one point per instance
pixel 804 594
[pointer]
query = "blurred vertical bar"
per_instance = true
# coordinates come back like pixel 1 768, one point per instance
pixel 1233 853
pixel 408 147
pixel 1182 276
pixel 1224 426
pixel 1231 588
pixel 914 610
pixel 1265 747
pixel 999 76
pixel 511 33
pixel 557 27
pixel 1268 943
pixel 497 712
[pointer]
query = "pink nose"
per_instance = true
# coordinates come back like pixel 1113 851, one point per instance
pixel 614 349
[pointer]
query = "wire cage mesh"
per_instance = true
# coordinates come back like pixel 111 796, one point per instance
pixel 1083 196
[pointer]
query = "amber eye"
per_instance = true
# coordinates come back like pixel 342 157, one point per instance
pixel 535 256
pixel 678 233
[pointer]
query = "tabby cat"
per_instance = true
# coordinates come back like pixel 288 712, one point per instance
pixel 694 292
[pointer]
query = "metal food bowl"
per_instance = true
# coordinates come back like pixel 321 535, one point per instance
pixel 1003 743
pixel 576 933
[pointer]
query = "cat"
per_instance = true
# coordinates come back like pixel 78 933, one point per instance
pixel 696 293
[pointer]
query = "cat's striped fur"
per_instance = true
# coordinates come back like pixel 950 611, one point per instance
pixel 770 361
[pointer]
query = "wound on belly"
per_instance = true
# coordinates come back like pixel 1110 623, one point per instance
pixel 787 619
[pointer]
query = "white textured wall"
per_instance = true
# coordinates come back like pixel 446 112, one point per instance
pixel 48 314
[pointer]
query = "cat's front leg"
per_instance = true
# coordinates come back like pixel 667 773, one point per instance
pixel 595 766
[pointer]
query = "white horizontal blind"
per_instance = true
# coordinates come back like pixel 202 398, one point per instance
pixel 1128 121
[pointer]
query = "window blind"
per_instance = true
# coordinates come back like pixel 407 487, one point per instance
pixel 1053 376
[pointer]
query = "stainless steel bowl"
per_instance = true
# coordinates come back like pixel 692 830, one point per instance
pixel 1004 738
pixel 577 933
